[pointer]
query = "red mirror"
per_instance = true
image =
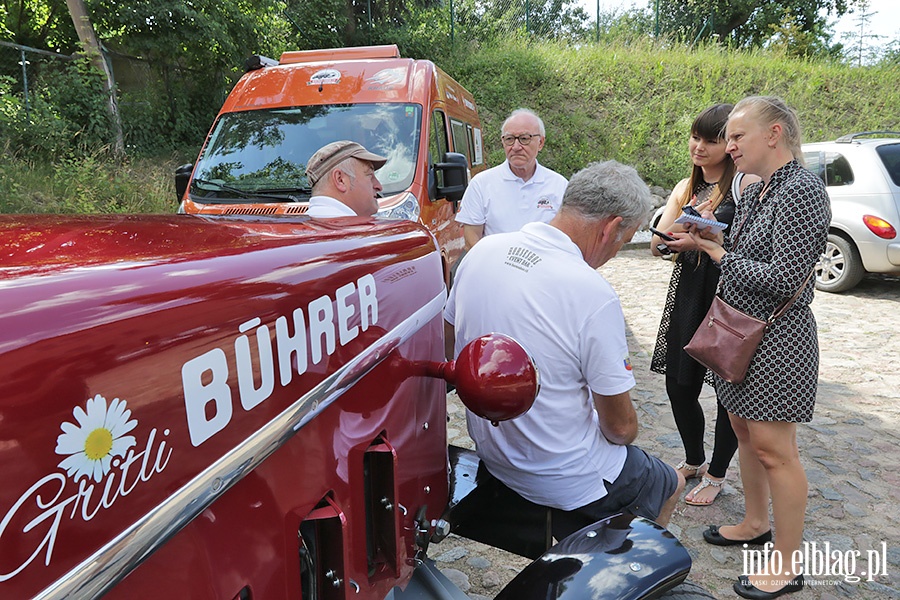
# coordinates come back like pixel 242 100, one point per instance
pixel 494 376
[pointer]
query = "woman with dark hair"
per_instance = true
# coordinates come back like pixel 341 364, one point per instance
pixel 691 290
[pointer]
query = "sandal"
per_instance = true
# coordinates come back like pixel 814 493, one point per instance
pixel 704 483
pixel 695 471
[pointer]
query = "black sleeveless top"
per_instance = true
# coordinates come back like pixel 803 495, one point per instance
pixel 691 289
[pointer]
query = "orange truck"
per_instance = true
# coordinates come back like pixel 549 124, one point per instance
pixel 281 112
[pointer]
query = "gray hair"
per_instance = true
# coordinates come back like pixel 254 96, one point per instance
pixel 768 110
pixel 524 111
pixel 609 189
pixel 345 166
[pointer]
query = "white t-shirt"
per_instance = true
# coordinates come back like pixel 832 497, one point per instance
pixel 535 286
pixel 324 207
pixel 502 202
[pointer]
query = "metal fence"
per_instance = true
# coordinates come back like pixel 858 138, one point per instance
pixel 22 68
pixel 158 104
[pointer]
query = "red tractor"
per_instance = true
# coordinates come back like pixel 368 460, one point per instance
pixel 255 407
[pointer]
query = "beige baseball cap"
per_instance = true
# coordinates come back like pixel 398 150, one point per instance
pixel 328 156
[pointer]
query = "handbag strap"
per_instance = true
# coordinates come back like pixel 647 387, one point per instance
pixel 784 307
pixel 740 228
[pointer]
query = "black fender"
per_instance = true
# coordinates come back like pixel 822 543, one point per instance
pixel 623 557
pixel 619 558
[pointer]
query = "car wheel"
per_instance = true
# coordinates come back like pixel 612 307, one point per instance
pixel 687 591
pixel 839 268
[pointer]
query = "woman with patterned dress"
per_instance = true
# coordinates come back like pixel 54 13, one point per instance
pixel 781 226
pixel 691 290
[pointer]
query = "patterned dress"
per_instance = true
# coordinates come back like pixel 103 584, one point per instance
pixel 691 290
pixel 780 243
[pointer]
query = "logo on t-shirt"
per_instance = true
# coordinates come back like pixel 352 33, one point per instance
pixel 521 258
pixel 627 364
pixel 545 202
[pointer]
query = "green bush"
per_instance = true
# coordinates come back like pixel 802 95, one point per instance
pixel 66 114
pixel 35 130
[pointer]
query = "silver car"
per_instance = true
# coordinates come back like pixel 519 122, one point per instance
pixel 861 172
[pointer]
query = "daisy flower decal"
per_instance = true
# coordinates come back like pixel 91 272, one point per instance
pixel 98 436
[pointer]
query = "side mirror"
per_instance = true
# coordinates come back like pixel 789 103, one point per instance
pixel 182 177
pixel 494 376
pixel 455 169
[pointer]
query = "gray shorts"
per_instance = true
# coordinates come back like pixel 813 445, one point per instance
pixel 642 489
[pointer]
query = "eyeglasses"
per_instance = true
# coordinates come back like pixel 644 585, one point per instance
pixel 524 139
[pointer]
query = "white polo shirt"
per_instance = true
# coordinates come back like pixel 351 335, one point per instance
pixel 503 202
pixel 535 286
pixel 324 207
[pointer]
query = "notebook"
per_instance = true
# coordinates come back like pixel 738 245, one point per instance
pixel 715 226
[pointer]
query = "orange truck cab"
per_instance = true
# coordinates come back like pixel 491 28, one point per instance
pixel 280 112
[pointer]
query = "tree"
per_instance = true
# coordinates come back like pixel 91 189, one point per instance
pixel 212 36
pixel 91 46
pixel 39 24
pixel 745 22
pixel 891 54
pixel 490 19
pixel 859 49
pixel 791 39
pixel 339 23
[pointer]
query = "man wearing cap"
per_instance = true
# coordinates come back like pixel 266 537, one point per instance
pixel 342 176
pixel 519 191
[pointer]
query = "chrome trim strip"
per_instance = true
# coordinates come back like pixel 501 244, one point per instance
pixel 110 564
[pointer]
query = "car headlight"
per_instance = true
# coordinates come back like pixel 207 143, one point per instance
pixel 406 207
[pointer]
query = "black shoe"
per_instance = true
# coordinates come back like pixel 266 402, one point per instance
pixel 745 589
pixel 712 536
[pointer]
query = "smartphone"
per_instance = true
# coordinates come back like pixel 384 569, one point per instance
pixel 664 236
pixel 690 210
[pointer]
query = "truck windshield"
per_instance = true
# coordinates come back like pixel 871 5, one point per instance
pixel 264 152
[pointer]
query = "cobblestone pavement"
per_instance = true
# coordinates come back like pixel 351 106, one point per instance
pixel 850 450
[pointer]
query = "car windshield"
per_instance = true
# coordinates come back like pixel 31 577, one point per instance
pixel 890 156
pixel 263 153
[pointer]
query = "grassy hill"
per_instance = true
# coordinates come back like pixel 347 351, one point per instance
pixel 633 102
pixel 636 102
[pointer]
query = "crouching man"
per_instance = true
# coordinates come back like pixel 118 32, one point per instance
pixel 572 451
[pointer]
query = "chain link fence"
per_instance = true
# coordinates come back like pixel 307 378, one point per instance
pixel 21 71
pixel 45 94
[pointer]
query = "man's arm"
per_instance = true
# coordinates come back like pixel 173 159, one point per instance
pixel 472 233
pixel 618 419
pixel 449 341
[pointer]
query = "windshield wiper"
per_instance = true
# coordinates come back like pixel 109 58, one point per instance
pixel 287 190
pixel 247 194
